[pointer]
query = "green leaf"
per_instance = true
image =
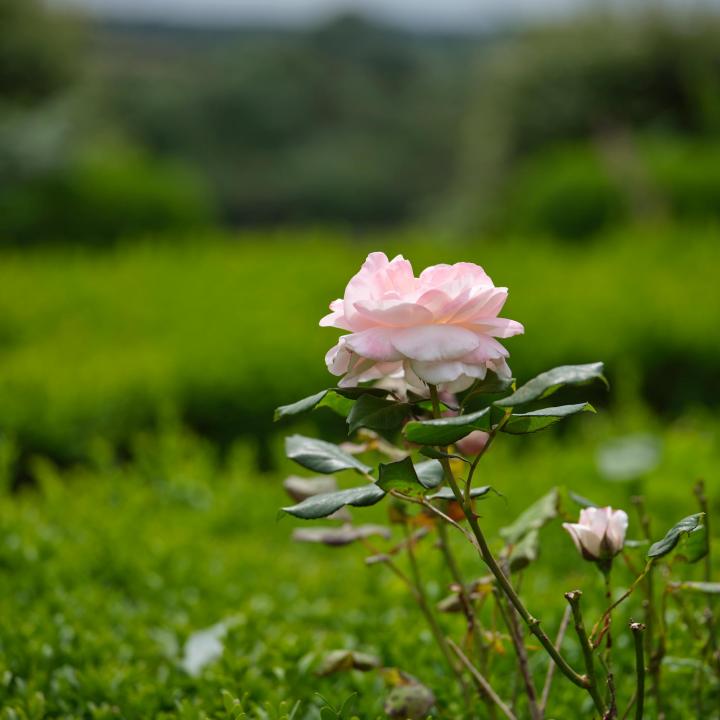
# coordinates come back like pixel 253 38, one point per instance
pixel 710 588
pixel 400 476
pixel 436 454
pixel 320 506
pixel 425 403
pixel 377 413
pixel 335 398
pixel 548 382
pixel 672 537
pixel 536 516
pixel 338 403
pixel 487 391
pixel 524 552
pixel 299 406
pixel 337 536
pixel 529 422
pixel 339 660
pixel 444 431
pixel 447 494
pixel 411 701
pixel 693 546
pixel 321 456
pixel 298 488
pixel 410 479
pixel 430 473
pixel 583 502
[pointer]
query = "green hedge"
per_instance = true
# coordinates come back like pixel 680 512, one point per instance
pixel 577 190
pixel 219 332
pixel 101 196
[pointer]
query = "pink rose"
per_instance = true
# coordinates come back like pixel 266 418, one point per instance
pixel 473 443
pixel 439 328
pixel 600 532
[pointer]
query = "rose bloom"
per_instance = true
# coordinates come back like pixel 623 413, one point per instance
pixel 600 532
pixel 439 328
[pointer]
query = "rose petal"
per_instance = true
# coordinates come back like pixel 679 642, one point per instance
pixel 488 349
pixel 431 343
pixel 436 373
pixel 485 304
pixel 398 315
pixel 456 386
pixel 375 344
pixel 499 327
pixel 617 527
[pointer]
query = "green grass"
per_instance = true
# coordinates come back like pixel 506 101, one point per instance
pixel 99 346
pixel 106 571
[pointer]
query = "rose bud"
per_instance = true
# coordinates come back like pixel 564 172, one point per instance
pixel 473 443
pixel 600 533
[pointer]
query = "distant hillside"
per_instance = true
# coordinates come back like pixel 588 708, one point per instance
pixel 348 122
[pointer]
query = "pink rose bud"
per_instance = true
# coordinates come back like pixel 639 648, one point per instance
pixel 600 532
pixel 439 328
pixel 473 443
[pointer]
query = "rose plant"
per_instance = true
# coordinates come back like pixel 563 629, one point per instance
pixel 425 386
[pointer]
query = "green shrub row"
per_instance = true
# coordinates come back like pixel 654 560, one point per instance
pixel 574 191
pixel 219 332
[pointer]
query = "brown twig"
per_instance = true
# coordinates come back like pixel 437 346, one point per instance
pixel 510 618
pixel 551 666
pixel 604 617
pixel 482 684
pixel 417 590
pixel 418 586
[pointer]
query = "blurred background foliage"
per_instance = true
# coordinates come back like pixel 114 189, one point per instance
pixel 179 203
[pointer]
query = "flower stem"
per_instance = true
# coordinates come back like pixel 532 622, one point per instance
pixel 465 600
pixel 421 597
pixel 637 630
pixel 482 684
pixel 551 666
pixel 417 590
pixel 513 627
pixel 573 598
pixel 487 556
pixel 607 655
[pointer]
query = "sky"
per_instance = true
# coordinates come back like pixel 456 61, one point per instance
pixel 428 14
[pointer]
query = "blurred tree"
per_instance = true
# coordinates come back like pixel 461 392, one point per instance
pixel 64 175
pixel 37 52
pixel 351 122
pixel 600 79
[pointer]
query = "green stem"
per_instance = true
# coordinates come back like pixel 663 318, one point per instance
pixel 465 601
pixel 487 556
pixel 551 666
pixel 418 592
pixel 644 519
pixel 483 685
pixel 637 630
pixel 421 597
pixel 467 607
pixel 513 627
pixel 622 598
pixel 573 599
pixel 612 710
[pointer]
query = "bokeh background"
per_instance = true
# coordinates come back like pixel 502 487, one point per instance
pixel 185 186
